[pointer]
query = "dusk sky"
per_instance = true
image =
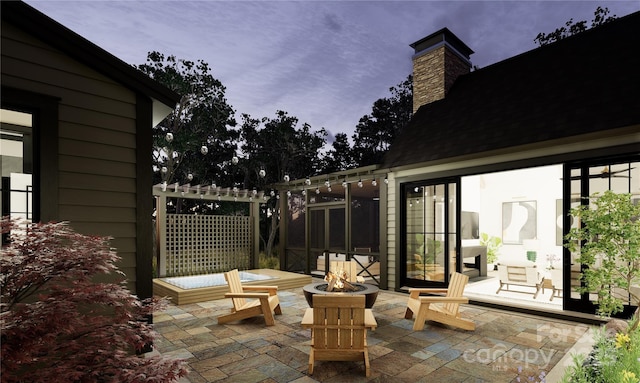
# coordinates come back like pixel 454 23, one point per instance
pixel 324 62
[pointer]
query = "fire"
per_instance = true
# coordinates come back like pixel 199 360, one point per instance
pixel 338 281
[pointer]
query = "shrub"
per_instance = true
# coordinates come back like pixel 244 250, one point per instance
pixel 615 358
pixel 61 322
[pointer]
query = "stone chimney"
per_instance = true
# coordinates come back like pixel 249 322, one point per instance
pixel 438 60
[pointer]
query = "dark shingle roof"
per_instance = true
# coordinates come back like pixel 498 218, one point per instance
pixel 585 83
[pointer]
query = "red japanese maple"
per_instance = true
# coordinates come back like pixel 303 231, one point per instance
pixel 66 315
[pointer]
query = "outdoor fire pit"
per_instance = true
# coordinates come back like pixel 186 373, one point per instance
pixel 369 291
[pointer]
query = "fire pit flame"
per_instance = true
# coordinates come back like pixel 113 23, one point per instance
pixel 338 281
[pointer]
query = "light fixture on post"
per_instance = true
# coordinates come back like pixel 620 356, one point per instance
pixel 374 182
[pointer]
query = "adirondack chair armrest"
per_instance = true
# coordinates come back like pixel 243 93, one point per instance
pixel 271 289
pixel 416 292
pixel 434 299
pixel 247 295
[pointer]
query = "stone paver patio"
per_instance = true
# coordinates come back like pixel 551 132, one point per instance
pixel 504 347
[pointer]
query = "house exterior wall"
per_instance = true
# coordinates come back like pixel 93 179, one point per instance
pixel 611 142
pixel 96 141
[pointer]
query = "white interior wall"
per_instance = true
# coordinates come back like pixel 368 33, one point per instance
pixel 486 193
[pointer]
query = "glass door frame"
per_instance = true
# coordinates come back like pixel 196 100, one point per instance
pixel 452 242
pixel 583 303
pixel 326 241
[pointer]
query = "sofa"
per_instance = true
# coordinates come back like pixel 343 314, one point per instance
pixel 520 273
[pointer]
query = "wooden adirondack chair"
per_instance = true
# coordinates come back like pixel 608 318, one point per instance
pixel 339 326
pixel 349 267
pixel 263 300
pixel 442 309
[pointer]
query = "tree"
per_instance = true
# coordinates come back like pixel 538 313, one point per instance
pixel 278 148
pixel 196 141
pixel 608 244
pixel 376 132
pixel 339 157
pixel 61 322
pixel 600 18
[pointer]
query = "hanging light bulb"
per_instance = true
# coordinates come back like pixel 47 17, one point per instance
pixel 386 180
pixel 234 160
pixel 304 191
pixel 329 188
pixel 169 137
pixel 317 190
pixel 164 186
pixel 307 181
pixel 272 193
pixel 286 178
pixel 374 182
pixel 262 173
pixel 344 183
pixel 164 169
pixel 204 150
pixel 254 192
pixel 288 193
pixel 327 183
pixel 190 177
pixel 360 183
pixel 213 185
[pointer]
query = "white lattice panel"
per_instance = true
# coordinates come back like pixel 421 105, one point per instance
pixel 202 244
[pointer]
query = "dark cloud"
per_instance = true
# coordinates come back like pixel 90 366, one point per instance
pixel 325 62
pixel 331 22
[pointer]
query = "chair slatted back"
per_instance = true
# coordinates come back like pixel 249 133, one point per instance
pixel 338 322
pixel 350 267
pixel 235 286
pixel 456 289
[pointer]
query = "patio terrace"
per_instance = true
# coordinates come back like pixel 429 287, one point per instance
pixel 248 351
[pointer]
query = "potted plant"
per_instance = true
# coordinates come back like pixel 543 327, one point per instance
pixel 493 245
pixel 607 242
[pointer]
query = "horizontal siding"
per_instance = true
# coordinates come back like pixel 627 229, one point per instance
pixel 76 213
pixel 392 257
pixel 97 142
pixel 96 198
pixel 105 136
pixel 96 166
pixel 97 150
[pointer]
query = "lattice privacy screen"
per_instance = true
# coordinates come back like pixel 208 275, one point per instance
pixel 202 244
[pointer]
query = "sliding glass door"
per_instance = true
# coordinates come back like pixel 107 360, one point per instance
pixel 429 211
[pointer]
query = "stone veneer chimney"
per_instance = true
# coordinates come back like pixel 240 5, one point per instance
pixel 438 60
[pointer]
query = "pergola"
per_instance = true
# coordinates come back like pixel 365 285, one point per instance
pixel 189 244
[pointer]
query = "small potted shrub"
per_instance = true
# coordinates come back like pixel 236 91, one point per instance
pixel 493 245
